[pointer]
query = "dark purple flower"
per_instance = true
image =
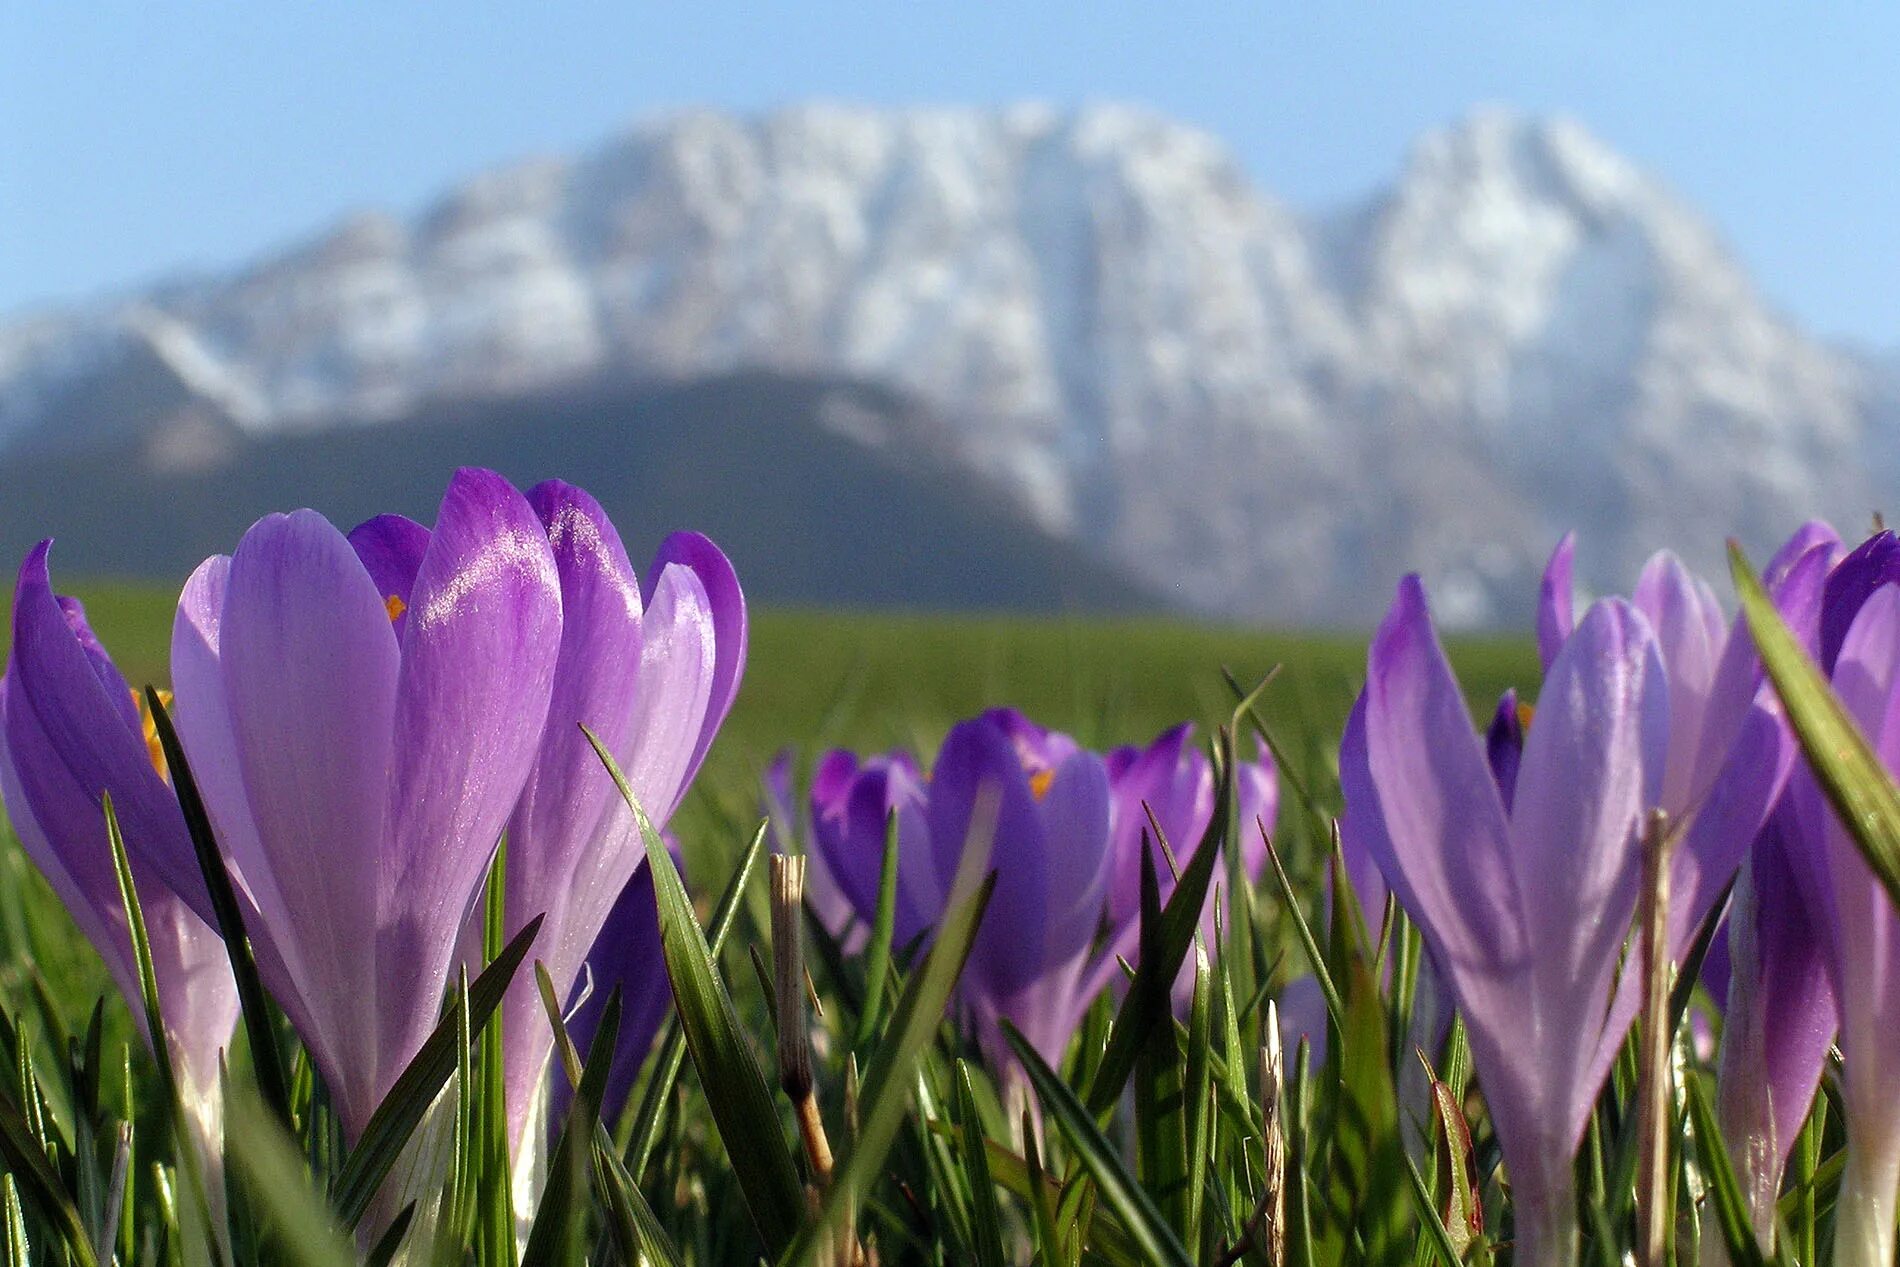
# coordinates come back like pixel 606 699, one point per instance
pixel 72 731
pixel 361 717
pixel 1049 847
pixel 1523 910
pixel 789 832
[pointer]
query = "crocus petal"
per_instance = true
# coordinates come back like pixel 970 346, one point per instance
pixel 310 671
pixel 1812 535
pixel 88 729
pixel 1870 565
pixel 848 835
pixel 1504 746
pixel 391 548
pixel 1074 813
pixel 1363 840
pixel 573 846
pixel 979 765
pixel 471 701
pixel 1780 1019
pixel 1593 766
pixel 726 626
pixel 1449 843
pixel 1257 806
pixel 1555 599
pixel 1687 622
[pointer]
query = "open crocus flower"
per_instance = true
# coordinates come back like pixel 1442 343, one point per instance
pixel 1860 651
pixel 1174 781
pixel 1730 750
pixel 1524 909
pixel 72 730
pixel 651 668
pixel 1049 849
pixel 361 713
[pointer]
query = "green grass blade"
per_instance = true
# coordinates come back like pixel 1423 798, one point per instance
pixel 384 1251
pixel 1725 1190
pixel 986 1221
pixel 15 1217
pixel 645 1133
pixel 195 1220
pixel 495 1211
pixel 1149 1002
pixel 1845 763
pixel 881 1102
pixel 267 1163
pixel 1199 1109
pixel 558 1224
pixel 259 1016
pixel 397 1117
pixel 742 1107
pixel 1117 1187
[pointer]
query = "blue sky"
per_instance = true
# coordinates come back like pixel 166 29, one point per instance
pixel 141 139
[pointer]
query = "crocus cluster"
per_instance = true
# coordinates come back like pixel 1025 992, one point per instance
pixel 1518 857
pixel 1065 829
pixel 366 714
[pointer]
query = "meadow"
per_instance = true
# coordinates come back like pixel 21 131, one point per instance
pixel 814 679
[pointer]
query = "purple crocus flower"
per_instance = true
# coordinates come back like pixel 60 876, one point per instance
pixel 789 832
pixel 1729 749
pixel 1173 780
pixel 652 668
pixel 71 730
pixel 851 802
pixel 1860 651
pixel 1523 909
pixel 1032 958
pixel 361 715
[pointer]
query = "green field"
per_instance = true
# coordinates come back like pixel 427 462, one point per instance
pixel 816 680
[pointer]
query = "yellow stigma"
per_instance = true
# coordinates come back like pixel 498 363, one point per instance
pixel 395 606
pixel 1039 783
pixel 149 725
pixel 1524 712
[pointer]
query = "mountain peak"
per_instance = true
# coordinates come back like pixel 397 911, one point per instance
pixel 1103 318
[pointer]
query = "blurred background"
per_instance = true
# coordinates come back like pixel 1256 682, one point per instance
pixel 1227 312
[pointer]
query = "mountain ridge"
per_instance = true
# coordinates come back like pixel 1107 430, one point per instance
pixel 1253 411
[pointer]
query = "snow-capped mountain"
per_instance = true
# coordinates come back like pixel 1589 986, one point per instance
pixel 1260 411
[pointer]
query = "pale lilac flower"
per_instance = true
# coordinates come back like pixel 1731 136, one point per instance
pixel 1729 752
pixel 361 717
pixel 72 731
pixel 1523 909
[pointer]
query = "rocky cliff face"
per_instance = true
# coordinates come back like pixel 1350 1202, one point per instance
pixel 1256 411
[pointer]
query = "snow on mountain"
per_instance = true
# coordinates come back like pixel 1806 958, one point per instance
pixel 1259 411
